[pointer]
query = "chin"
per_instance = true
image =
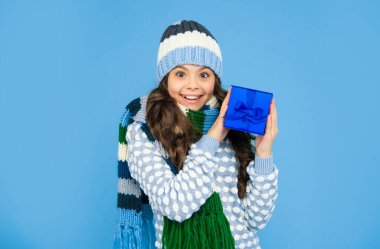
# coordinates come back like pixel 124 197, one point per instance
pixel 195 108
pixel 192 107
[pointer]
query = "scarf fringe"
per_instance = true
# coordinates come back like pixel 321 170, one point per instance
pixel 135 237
pixel 127 237
pixel 204 230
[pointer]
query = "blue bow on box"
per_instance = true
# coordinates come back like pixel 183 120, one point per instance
pixel 248 110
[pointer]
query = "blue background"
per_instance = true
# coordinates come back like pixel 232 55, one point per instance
pixel 68 68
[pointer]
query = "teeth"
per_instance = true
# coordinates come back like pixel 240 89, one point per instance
pixel 191 97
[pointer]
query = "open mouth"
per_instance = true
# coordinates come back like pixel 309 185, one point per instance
pixel 191 97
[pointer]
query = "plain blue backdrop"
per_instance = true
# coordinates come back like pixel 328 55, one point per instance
pixel 68 68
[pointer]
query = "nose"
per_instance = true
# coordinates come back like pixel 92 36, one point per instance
pixel 192 82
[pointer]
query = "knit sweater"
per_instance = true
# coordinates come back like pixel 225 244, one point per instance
pixel 209 166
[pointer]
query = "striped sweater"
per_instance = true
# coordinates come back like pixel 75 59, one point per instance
pixel 210 166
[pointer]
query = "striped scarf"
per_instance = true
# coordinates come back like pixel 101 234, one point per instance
pixel 206 228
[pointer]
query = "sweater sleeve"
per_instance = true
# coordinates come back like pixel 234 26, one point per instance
pixel 175 196
pixel 259 202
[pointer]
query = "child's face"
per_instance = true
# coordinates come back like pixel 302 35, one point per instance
pixel 191 85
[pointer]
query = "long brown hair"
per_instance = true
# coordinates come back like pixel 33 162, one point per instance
pixel 176 133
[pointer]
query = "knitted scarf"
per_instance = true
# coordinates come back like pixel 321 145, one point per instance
pixel 206 228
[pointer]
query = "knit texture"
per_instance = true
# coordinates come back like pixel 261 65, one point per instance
pixel 134 215
pixel 208 227
pixel 210 167
pixel 188 42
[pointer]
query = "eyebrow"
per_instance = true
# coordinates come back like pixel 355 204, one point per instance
pixel 186 68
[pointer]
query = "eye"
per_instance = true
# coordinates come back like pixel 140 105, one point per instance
pixel 179 74
pixel 205 75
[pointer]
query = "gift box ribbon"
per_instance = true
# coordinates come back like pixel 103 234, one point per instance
pixel 247 113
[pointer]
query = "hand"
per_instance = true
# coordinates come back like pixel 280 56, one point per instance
pixel 264 143
pixel 217 130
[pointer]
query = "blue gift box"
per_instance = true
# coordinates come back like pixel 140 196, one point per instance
pixel 248 110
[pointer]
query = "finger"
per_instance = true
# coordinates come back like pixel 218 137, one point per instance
pixel 272 117
pixel 271 106
pixel 268 128
pixel 223 109
pixel 275 118
pixel 223 112
pixel 227 98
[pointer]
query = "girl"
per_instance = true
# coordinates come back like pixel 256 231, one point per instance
pixel 185 181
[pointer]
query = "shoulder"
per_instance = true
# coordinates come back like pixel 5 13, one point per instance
pixel 134 118
pixel 135 110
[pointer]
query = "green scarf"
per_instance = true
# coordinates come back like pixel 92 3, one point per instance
pixel 207 228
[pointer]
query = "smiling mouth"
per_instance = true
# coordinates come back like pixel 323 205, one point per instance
pixel 191 97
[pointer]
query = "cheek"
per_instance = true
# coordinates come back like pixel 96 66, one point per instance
pixel 173 88
pixel 173 92
pixel 210 89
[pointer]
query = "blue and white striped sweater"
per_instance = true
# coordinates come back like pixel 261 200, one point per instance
pixel 210 166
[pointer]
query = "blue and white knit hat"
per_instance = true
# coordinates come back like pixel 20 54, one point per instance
pixel 188 42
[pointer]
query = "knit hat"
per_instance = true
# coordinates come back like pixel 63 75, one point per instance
pixel 188 42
